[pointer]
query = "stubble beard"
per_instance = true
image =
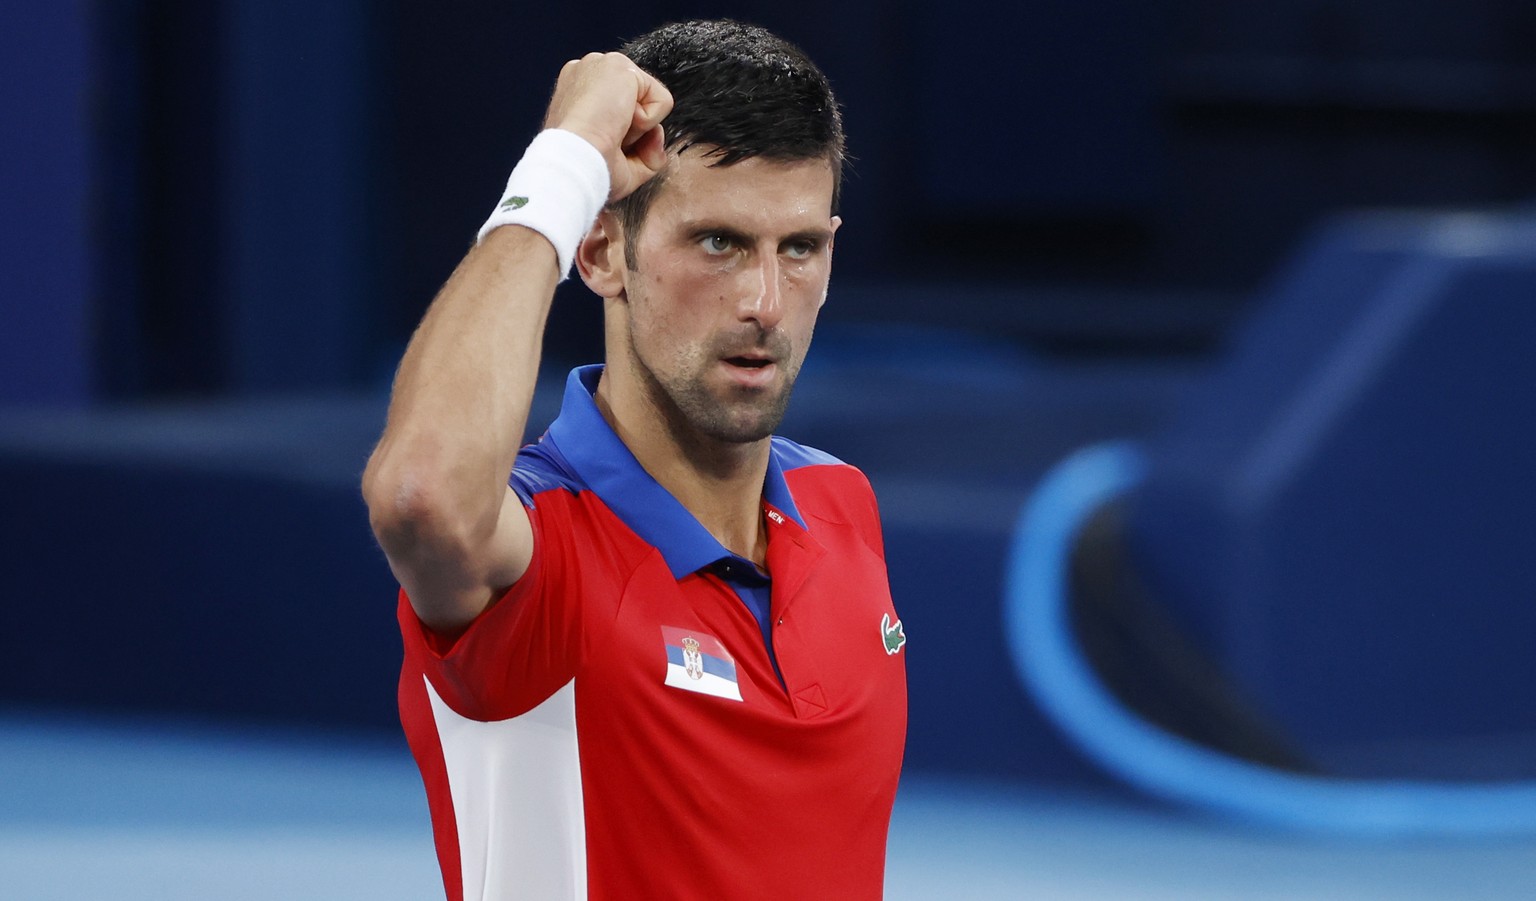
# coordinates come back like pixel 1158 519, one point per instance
pixel 692 410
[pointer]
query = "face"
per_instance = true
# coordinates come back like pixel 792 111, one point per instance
pixel 732 265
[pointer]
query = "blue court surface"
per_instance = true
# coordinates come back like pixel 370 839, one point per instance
pixel 100 808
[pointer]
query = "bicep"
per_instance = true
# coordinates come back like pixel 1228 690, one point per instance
pixel 450 585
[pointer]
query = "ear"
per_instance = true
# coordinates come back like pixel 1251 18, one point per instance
pixel 600 258
pixel 837 223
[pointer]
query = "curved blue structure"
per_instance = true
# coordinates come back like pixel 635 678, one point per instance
pixel 1061 679
pixel 1340 513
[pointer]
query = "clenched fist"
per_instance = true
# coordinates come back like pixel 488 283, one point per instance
pixel 618 108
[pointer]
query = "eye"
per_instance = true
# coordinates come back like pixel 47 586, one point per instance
pixel 800 250
pixel 715 245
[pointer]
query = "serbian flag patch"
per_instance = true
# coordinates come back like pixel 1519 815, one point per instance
pixel 699 662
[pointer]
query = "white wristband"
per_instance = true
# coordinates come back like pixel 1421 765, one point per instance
pixel 557 189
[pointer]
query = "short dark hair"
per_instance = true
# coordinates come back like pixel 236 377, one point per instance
pixel 743 91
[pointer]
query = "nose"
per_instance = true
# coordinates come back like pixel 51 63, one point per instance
pixel 762 296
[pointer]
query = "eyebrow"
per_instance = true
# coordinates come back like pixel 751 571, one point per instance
pixel 701 228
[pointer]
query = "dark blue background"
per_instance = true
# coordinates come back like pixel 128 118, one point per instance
pixel 222 220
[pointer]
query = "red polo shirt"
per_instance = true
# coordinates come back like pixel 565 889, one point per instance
pixel 615 726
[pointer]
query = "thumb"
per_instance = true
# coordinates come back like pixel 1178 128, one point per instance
pixel 639 162
pixel 651 150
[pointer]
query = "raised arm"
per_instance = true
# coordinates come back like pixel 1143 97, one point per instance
pixel 436 486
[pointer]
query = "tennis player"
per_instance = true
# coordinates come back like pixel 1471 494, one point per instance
pixel 653 654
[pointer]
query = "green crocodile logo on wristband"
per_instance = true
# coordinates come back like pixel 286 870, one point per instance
pixel 514 203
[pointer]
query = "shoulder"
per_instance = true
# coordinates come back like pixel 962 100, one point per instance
pixel 565 511
pixel 808 468
pixel 539 470
pixel 824 486
pixel 793 455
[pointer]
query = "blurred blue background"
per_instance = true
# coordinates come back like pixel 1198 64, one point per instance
pixel 1287 250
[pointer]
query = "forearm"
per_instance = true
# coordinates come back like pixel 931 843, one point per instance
pixel 462 393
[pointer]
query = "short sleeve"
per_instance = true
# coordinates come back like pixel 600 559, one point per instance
pixel 526 644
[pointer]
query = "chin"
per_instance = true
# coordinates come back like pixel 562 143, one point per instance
pixel 742 431
pixel 741 422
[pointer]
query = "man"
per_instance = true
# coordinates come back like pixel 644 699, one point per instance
pixel 663 662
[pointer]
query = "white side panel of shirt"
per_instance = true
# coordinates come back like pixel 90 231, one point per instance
pixel 516 787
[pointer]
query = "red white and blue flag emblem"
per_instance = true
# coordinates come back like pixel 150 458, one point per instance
pixel 699 662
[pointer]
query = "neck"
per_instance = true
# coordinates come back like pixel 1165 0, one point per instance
pixel 720 483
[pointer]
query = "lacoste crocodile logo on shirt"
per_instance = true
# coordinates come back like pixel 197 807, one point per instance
pixel 894 636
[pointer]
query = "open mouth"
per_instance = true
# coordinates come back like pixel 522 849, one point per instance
pixel 747 362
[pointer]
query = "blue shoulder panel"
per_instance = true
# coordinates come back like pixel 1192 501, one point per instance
pixel 793 456
pixel 541 468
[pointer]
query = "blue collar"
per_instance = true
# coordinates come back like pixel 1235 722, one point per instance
pixel 602 461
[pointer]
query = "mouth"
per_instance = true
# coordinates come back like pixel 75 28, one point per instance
pixel 750 371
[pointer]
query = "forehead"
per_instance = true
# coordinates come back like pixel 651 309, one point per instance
pixel 756 193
